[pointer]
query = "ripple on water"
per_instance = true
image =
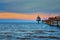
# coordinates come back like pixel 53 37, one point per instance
pixel 32 32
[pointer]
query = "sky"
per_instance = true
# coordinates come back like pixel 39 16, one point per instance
pixel 28 9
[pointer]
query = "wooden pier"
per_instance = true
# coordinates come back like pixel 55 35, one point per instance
pixel 55 21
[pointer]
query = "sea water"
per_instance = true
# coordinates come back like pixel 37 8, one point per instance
pixel 28 31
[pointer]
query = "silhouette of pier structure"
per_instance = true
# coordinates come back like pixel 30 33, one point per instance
pixel 38 19
pixel 53 21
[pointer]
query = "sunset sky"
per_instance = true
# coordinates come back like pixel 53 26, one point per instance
pixel 29 9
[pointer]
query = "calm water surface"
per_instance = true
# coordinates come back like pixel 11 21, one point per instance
pixel 28 31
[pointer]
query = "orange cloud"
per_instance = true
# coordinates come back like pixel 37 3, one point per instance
pixel 9 15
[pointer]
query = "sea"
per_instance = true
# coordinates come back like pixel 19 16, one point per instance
pixel 28 31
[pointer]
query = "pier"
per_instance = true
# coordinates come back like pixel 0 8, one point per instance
pixel 55 21
pixel 38 19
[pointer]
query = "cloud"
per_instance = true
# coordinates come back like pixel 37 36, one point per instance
pixel 29 6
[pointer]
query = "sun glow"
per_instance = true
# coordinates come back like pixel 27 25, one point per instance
pixel 26 16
